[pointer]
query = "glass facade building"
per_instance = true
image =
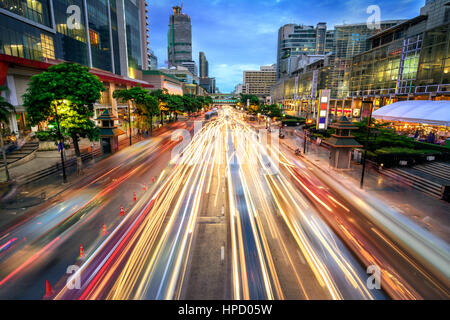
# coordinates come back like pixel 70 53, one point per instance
pixel 349 41
pixel 434 63
pixel 134 42
pixel 45 30
pixel 99 34
pixel 298 40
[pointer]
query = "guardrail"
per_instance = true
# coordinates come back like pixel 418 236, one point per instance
pixel 38 175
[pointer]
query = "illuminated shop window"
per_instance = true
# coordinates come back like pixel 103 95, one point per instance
pixel 15 50
pixel 48 48
pixel 93 36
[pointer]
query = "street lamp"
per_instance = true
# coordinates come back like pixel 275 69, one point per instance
pixel 61 143
pixel 129 121
pixel 365 147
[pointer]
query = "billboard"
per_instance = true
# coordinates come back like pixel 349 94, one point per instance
pixel 323 109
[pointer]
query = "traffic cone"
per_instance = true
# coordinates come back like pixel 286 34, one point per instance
pixel 81 251
pixel 104 229
pixel 122 212
pixel 153 179
pixel 144 188
pixel 134 196
pixel 48 289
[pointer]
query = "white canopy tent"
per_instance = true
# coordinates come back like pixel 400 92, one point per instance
pixel 416 111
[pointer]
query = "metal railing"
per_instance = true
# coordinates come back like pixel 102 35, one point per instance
pixel 38 175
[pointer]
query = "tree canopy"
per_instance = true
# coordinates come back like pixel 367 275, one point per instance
pixel 5 107
pixel 70 89
pixel 253 100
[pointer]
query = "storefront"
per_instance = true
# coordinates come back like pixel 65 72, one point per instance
pixel 425 121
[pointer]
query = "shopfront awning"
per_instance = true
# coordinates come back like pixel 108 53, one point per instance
pixel 416 111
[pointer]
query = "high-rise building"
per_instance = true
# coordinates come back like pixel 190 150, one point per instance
pixel 152 60
pixel 179 38
pixel 238 89
pixel 297 40
pixel 145 50
pixel 259 82
pixel 437 11
pixel 107 36
pixel 204 65
pixel 191 66
pixel 209 84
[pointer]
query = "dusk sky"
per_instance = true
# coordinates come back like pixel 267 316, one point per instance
pixel 238 35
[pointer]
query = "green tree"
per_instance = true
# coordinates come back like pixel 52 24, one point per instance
pixel 146 105
pixel 254 100
pixel 208 100
pixel 163 96
pixel 273 111
pixel 189 105
pixel 175 104
pixel 5 109
pixel 71 90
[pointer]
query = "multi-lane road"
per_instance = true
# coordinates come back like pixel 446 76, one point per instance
pixel 222 211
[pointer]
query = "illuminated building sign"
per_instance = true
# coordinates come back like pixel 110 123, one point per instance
pixel 323 110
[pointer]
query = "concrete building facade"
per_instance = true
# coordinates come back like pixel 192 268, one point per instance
pixel 259 82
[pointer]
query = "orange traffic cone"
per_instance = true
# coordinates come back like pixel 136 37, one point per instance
pixel 134 196
pixel 144 188
pixel 81 251
pixel 153 179
pixel 104 230
pixel 122 212
pixel 48 289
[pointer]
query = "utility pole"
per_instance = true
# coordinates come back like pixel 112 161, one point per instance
pixel 129 122
pixel 304 130
pixel 61 144
pixel 366 146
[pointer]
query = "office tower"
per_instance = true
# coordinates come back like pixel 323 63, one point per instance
pixel 259 82
pixel 204 65
pixel 179 38
pixel 144 34
pixel 152 60
pixel 107 36
pixel 296 40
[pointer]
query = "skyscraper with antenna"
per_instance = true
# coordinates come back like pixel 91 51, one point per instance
pixel 179 38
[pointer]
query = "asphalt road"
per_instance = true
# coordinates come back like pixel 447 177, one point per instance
pixel 224 214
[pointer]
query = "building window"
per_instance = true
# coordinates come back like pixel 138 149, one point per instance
pixel 93 36
pixel 48 48
pixel 15 50
pixel 36 10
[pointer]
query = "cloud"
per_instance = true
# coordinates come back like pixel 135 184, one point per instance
pixel 242 34
pixel 229 75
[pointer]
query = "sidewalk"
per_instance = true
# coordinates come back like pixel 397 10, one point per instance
pixel 430 213
pixel 45 189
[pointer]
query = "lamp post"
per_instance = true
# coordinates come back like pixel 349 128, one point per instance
pixel 129 121
pixel 61 144
pixel 365 147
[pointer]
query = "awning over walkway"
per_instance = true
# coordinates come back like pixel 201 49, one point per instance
pixel 416 111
